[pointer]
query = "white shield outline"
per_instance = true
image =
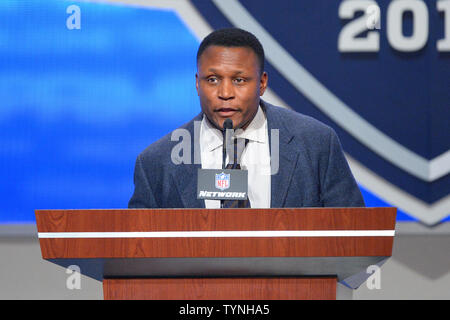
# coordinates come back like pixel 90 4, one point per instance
pixel 221 176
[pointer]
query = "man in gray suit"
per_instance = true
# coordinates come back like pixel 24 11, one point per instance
pixel 308 169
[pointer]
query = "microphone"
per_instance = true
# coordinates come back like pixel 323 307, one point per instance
pixel 226 134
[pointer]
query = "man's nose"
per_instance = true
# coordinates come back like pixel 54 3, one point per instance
pixel 226 90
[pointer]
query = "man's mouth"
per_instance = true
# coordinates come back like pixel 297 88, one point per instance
pixel 226 112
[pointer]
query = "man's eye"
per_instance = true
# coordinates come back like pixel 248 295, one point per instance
pixel 239 80
pixel 212 79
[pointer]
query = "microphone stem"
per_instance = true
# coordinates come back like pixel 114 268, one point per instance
pixel 224 152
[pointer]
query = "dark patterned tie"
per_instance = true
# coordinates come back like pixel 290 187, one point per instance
pixel 237 166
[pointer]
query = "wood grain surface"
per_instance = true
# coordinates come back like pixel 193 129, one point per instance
pixel 216 247
pixel 221 289
pixel 151 220
pixel 120 220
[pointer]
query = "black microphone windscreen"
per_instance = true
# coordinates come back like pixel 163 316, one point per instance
pixel 228 124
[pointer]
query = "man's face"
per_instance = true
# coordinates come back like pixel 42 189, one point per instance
pixel 229 84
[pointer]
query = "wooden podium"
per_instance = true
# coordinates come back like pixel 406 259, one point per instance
pixel 219 254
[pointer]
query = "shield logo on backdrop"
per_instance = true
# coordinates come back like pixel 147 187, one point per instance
pixel 383 86
pixel 222 181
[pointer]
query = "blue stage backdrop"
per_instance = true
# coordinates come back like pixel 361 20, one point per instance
pixel 86 86
pixel 78 105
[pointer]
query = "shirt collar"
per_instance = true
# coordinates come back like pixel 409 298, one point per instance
pixel 256 131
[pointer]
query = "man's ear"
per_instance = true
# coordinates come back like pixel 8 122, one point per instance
pixel 263 83
pixel 196 82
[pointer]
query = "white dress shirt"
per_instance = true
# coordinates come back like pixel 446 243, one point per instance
pixel 255 157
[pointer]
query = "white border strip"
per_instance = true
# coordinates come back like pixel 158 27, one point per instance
pixel 218 234
pixel 429 214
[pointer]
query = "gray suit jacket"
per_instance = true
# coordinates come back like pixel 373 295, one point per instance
pixel 312 170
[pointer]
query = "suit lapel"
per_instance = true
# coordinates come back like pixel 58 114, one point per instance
pixel 288 156
pixel 184 176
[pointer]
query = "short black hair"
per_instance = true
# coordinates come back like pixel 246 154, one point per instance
pixel 233 37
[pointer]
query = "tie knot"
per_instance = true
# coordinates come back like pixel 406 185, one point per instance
pixel 235 153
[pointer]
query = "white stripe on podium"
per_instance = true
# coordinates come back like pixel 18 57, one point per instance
pixel 219 234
